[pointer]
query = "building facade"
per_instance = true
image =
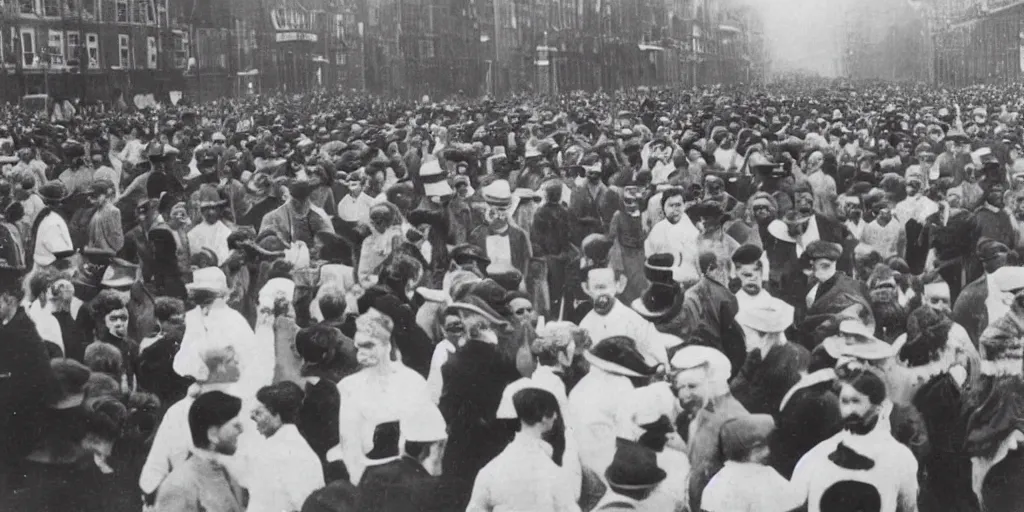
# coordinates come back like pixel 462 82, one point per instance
pixel 977 42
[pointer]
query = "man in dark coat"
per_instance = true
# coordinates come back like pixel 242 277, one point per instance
pixel 773 365
pixel 991 220
pixel 832 293
pixel 711 310
pixel 807 415
pixel 551 241
pixel 474 379
pixel 26 383
pixel 504 243
pixel 594 204
pixel 970 309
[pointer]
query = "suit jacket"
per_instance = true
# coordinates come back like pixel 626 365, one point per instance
pixel 969 309
pixel 594 212
pixel 200 485
pixel 404 486
pixel 519 245
pixel 833 297
pixel 762 382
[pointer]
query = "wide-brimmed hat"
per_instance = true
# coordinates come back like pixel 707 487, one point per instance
pixel 619 355
pixel 770 316
pixel 499 194
pixel 476 305
pixel 634 467
pixel 857 339
pixel 779 228
pixel 53 192
pixel 434 179
pixel 119 274
pixel 663 296
pixel 209 279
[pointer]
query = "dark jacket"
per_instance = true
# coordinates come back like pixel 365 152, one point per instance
pixel 594 211
pixel 831 298
pixel 474 379
pixel 404 486
pixel 711 312
pixel 26 384
pixel 318 417
pixel 762 382
pixel 969 309
pixel 809 417
pixel 407 336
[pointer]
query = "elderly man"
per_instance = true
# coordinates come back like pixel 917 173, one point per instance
pixel 700 377
pixel 773 365
pixel 383 390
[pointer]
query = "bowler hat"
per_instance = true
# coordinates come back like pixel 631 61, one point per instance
pixel 619 355
pixel 53 192
pixel 634 467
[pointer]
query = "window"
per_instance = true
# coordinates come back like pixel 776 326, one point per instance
pixel 92 48
pixel 161 13
pixel 56 48
pixel 150 8
pixel 122 11
pixel 28 47
pixel 124 51
pixel 180 49
pixel 51 8
pixel 426 49
pixel 340 58
pixel 74 48
pixel 27 6
pixel 151 52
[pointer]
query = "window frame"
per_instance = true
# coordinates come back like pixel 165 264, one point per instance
pixel 21 39
pixel 60 41
pixel 152 53
pixel 124 44
pixel 73 51
pixel 127 11
pixel 92 42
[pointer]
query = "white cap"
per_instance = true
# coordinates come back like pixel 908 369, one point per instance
pixel 1009 279
pixel 692 356
pixel 423 424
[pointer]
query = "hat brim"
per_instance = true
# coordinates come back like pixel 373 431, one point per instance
pixel 658 479
pixel 656 314
pixel 439 189
pixel 205 287
pixel 780 230
pixel 867 348
pixel 610 367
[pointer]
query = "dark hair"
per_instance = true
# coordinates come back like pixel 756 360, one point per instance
pixel 166 307
pixel 670 193
pixel 417 449
pixel 532 405
pixel 318 344
pixel 927 332
pixel 11 283
pixel 280 268
pixel 332 305
pixel 869 383
pixel 283 399
pixel 105 302
pixel 40 281
pixel 403 268
pixel 212 409
pixel 104 358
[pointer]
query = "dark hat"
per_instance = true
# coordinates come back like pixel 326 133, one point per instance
pixel 658 268
pixel 507 276
pixel 988 248
pixel 490 291
pixel 385 441
pixel 120 274
pixel 659 301
pixel 820 249
pixel 747 254
pixel 596 248
pixel 334 248
pixel 474 304
pixel 706 209
pixel 618 355
pixel 53 192
pixel 740 435
pixel 634 467
pixel 466 252
pixel 72 149
pixel 71 377
pixel 101 186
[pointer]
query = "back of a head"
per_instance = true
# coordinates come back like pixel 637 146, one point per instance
pixel 212 409
pixel 166 307
pixel 332 303
pixel 533 405
pixel 217 364
pixel 318 345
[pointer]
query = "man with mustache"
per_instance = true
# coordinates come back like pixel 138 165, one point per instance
pixel 886 306
pixel 862 467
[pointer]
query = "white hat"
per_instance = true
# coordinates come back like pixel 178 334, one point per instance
pixel 1009 278
pixel 692 356
pixel 435 183
pixel 423 424
pixel 498 193
pixel 210 279
pixel 275 288
pixel 649 403
pixel 772 316
pixel 217 136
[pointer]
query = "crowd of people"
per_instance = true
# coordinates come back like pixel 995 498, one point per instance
pixel 800 296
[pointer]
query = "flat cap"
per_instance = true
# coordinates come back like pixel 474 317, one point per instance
pixel 820 249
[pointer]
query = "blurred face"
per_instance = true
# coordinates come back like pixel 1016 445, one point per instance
pixel 267 423
pixel 224 439
pixel 859 414
pixel 8 306
pixel 522 309
pixel 211 215
pixel 117 322
pixel 173 326
pixel 884 215
pixel 823 269
pixel 230 369
pixel 953 198
pixel 750 278
pixel 453 329
pixel 674 209
pixel 97 198
pixel 355 187
pixel 805 203
pixel 995 196
pixel 371 352
pixel 763 213
pixel 937 297
pixel 497 216
pixel 692 388
pixel 601 287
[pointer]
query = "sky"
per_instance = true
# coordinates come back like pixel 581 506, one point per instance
pixel 803 34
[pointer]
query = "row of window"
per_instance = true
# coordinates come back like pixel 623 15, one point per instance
pixel 149 12
pixel 65 49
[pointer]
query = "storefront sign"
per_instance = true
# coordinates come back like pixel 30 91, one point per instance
pixel 287 37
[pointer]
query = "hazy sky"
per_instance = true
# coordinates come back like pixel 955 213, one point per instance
pixel 803 34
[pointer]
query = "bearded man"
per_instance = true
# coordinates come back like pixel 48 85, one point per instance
pixel 886 306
